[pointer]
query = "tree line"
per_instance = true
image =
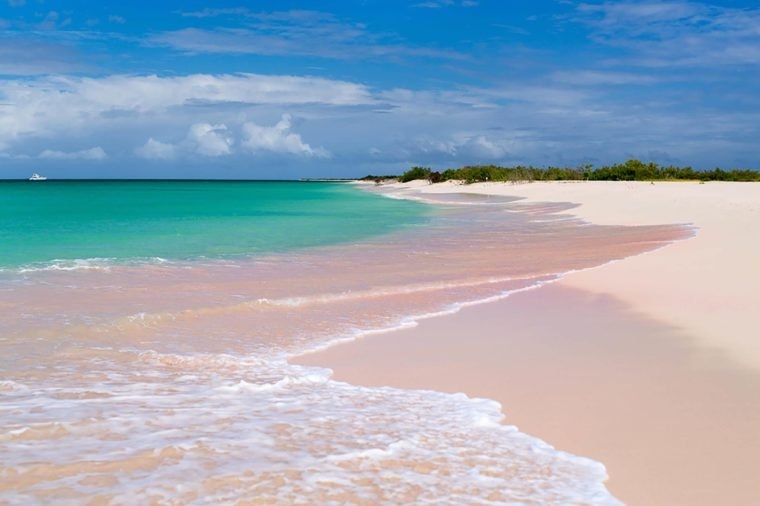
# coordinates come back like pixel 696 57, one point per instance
pixel 631 170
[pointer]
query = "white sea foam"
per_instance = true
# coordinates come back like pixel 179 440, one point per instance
pixel 381 444
pixel 85 264
pixel 10 385
pixel 102 264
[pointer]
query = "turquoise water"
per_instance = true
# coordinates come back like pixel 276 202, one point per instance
pixel 126 220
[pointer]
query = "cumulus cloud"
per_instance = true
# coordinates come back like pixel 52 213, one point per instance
pixel 210 140
pixel 278 139
pixel 552 120
pixel 96 153
pixel 207 139
pixel 156 150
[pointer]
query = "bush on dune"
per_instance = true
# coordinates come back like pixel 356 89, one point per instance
pixel 631 170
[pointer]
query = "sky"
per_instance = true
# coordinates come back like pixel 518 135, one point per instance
pixel 283 89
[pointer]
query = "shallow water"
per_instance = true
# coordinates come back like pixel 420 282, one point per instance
pixel 168 382
pixel 81 223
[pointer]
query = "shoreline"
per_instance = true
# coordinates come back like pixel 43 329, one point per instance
pixel 721 255
pixel 704 358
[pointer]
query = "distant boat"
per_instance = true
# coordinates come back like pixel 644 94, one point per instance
pixel 37 177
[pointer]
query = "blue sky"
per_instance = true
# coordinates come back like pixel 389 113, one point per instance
pixel 341 88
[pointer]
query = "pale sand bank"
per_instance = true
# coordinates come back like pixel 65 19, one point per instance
pixel 649 365
pixel 709 286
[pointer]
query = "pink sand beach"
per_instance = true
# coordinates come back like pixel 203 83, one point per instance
pixel 649 364
pixel 498 351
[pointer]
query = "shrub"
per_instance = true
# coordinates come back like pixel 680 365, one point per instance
pixel 415 173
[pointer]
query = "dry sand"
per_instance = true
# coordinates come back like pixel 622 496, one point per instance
pixel 650 365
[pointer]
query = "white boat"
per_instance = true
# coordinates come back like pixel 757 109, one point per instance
pixel 37 177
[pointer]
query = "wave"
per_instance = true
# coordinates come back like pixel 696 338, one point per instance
pixel 247 427
pixel 82 264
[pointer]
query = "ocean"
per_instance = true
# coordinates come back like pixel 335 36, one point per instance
pixel 64 221
pixel 146 329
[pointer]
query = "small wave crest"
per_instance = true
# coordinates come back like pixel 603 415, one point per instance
pixel 99 264
pixel 84 264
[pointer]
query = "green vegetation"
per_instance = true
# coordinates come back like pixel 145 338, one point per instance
pixel 378 179
pixel 415 173
pixel 632 170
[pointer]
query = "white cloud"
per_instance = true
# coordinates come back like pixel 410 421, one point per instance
pixel 210 140
pixel 96 153
pixel 57 105
pixel 145 93
pixel 156 150
pixel 278 139
pixel 545 120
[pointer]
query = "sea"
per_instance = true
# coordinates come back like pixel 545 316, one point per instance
pixel 146 329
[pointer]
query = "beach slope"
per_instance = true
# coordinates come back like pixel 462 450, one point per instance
pixel 650 364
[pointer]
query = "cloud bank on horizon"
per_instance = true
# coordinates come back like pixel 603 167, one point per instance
pixel 181 89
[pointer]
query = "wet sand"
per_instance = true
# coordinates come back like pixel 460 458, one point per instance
pixel 650 365
pixel 674 425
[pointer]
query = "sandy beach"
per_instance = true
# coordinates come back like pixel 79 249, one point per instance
pixel 650 365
